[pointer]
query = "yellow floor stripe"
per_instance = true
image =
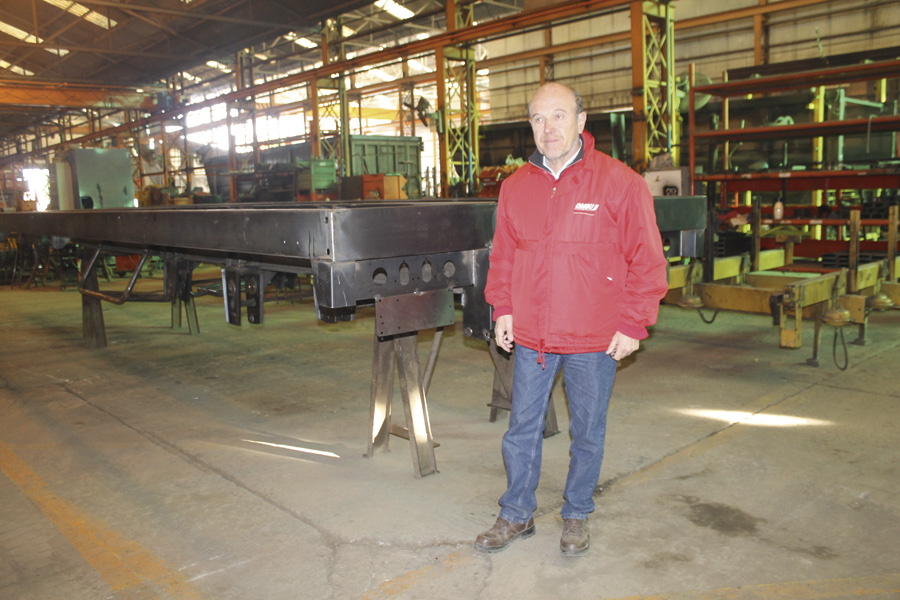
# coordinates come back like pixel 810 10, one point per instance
pixel 126 566
pixel 853 587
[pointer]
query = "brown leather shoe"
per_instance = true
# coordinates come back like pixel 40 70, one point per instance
pixel 499 536
pixel 575 537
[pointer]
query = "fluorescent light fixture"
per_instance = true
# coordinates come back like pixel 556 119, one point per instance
pixel 394 9
pixel 79 10
pixel 295 448
pixel 423 36
pixel 17 33
pixel 260 56
pixel 748 418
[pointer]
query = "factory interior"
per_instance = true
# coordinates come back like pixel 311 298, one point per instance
pixel 245 350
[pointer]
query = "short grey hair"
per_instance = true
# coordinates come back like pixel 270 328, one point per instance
pixel 579 103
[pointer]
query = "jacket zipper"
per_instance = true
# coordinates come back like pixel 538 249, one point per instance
pixel 552 233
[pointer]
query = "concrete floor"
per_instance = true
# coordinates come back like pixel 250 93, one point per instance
pixel 229 465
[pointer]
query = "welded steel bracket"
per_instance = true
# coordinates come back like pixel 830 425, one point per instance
pixel 802 295
pixel 251 282
pixel 97 294
pixel 93 326
pixel 396 335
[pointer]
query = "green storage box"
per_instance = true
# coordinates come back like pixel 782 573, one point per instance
pixel 316 175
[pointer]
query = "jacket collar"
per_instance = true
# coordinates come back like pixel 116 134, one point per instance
pixel 587 144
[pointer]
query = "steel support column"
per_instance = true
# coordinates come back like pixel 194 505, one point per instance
pixel 761 37
pixel 314 132
pixel 138 172
pixel 547 71
pixel 461 110
pixel 337 107
pixel 653 81
pixel 458 110
pixel 407 111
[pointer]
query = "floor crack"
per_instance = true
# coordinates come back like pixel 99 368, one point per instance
pixel 203 465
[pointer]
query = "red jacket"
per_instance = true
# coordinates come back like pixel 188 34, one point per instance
pixel 576 259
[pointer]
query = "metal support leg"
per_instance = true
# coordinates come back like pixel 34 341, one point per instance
pixel 396 334
pixel 382 392
pixel 179 275
pixel 185 301
pixel 501 397
pixel 417 423
pixel 814 361
pixel 432 358
pixel 93 326
pixel 401 351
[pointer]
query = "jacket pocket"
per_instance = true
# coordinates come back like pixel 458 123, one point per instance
pixel 587 288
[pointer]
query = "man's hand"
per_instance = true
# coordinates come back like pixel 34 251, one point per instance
pixel 503 332
pixel 621 346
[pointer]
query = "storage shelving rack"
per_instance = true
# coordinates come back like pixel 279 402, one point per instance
pixel 721 185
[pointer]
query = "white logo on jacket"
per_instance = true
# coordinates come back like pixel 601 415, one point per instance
pixel 586 208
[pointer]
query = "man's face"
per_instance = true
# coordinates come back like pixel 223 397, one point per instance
pixel 556 123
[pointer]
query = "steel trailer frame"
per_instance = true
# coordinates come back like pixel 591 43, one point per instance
pixel 406 258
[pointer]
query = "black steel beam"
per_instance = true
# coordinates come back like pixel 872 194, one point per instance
pixel 333 231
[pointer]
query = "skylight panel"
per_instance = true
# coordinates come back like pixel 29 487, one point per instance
pixel 214 64
pixel 15 69
pixel 394 9
pixel 301 41
pixel 13 31
pixel 79 10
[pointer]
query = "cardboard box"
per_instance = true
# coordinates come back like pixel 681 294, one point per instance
pixel 394 187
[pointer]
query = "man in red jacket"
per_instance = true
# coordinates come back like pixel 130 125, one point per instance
pixel 577 273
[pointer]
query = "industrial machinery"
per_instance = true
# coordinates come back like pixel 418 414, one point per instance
pixel 93 178
pixel 290 172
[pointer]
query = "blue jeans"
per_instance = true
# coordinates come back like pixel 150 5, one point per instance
pixel 589 380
